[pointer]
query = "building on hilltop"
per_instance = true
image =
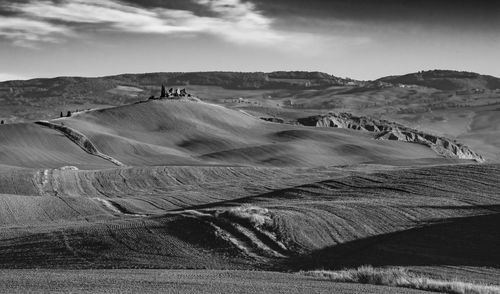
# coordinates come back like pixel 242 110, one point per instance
pixel 171 93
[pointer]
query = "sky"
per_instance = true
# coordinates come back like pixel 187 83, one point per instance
pixel 360 39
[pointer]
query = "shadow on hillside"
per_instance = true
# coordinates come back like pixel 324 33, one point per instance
pixel 468 241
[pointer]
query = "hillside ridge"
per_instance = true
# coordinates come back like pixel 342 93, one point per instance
pixel 445 80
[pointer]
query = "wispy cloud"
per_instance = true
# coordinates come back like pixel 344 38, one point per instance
pixel 48 21
pixel 27 32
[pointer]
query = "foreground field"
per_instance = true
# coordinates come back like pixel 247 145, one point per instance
pixel 438 220
pixel 176 281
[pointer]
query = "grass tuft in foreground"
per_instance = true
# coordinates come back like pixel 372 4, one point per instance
pixel 400 277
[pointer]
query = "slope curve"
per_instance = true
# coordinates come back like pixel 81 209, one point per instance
pixel 80 140
pixel 31 145
pixel 188 133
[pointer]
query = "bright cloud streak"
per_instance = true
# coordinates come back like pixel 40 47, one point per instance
pixel 236 21
pixel 25 32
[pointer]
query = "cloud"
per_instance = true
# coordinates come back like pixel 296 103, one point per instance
pixel 26 32
pixel 48 21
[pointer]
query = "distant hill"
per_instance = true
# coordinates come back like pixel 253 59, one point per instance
pixel 447 80
pixel 253 80
pixel 29 100
pixel 43 98
pixel 229 80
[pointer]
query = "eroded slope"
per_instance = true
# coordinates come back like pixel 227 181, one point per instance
pixel 386 130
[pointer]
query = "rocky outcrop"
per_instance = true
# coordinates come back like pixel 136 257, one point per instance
pixel 347 121
pixel 440 145
pixel 387 130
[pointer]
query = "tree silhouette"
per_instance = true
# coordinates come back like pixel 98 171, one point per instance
pixel 68 114
pixel 61 115
pixel 163 92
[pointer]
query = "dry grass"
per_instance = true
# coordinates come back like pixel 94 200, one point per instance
pixel 257 216
pixel 400 277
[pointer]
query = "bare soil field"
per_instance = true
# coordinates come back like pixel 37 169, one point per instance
pixel 287 227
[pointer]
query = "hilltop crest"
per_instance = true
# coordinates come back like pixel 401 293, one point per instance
pixel 445 80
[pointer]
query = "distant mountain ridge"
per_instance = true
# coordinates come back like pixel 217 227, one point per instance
pixel 447 80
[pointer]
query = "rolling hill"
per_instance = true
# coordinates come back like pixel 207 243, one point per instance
pixel 30 145
pixel 175 184
pixel 446 80
pixel 171 132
